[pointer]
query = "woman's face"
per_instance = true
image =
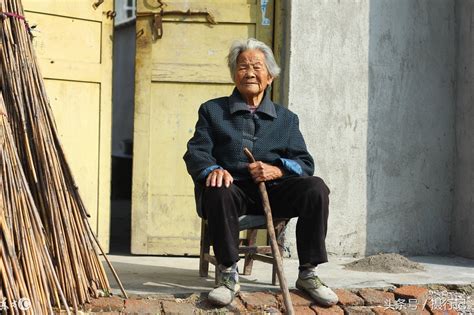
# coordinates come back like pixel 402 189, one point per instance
pixel 251 75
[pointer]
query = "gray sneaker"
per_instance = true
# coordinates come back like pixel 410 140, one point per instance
pixel 318 291
pixel 227 287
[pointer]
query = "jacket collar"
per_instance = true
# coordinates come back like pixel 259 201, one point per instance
pixel 236 104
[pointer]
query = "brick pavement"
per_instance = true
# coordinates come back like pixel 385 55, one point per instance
pixel 403 300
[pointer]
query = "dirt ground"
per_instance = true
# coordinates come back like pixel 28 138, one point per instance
pixel 391 263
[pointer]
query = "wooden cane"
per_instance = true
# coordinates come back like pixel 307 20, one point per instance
pixel 273 241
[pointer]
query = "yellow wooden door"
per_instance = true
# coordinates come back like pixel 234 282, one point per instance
pixel 174 75
pixel 74 46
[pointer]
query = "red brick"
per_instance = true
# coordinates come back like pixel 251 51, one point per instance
pixel 347 298
pixel 298 298
pixel 445 309
pixel 333 310
pixel 381 310
pixel 303 310
pixel 410 310
pixel 412 292
pixel 415 312
pixel 206 307
pixel 173 307
pixel 105 304
pixel 272 310
pixel 258 300
pixel 376 297
pixel 446 312
pixel 236 307
pixel 141 306
pixel 358 310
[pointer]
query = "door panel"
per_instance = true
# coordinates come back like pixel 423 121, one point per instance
pixel 57 44
pixel 174 75
pixel 74 48
pixel 76 107
pixel 180 62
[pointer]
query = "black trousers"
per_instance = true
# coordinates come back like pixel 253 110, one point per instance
pixel 303 197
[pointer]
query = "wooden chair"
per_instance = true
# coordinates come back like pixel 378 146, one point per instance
pixel 247 246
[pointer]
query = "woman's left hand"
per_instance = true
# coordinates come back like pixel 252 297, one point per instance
pixel 262 172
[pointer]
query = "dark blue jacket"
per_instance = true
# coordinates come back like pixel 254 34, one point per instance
pixel 225 126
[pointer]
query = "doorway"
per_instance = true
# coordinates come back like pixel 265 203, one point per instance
pixel 122 126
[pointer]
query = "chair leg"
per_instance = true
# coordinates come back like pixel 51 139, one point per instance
pixel 251 240
pixel 274 275
pixel 278 230
pixel 205 249
pixel 216 279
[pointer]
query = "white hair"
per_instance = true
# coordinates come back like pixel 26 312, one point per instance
pixel 240 46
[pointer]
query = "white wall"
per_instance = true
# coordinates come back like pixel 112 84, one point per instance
pixel 462 241
pixel 373 85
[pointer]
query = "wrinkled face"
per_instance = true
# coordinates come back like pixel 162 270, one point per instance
pixel 251 75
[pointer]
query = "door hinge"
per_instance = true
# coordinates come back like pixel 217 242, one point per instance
pixel 96 4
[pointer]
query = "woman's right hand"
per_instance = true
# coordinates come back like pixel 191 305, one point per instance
pixel 217 176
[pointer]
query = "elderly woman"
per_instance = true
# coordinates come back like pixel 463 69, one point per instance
pixel 225 183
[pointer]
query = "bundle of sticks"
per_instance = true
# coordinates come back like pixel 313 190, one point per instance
pixel 28 277
pixel 49 253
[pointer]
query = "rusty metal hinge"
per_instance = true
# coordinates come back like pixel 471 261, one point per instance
pixel 157 22
pixel 96 4
pixel 157 27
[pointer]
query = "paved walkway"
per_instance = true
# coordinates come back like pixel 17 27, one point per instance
pixel 172 285
pixel 174 275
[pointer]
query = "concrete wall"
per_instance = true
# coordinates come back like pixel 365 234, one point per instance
pixel 328 89
pixel 410 153
pixel 373 84
pixel 462 242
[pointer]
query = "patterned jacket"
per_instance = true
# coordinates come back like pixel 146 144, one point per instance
pixel 225 126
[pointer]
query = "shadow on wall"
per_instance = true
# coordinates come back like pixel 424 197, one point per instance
pixel 462 237
pixel 411 121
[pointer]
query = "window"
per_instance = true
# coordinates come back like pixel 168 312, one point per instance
pixel 125 11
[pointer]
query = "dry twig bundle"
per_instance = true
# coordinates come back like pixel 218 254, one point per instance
pixel 50 192
pixel 27 273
